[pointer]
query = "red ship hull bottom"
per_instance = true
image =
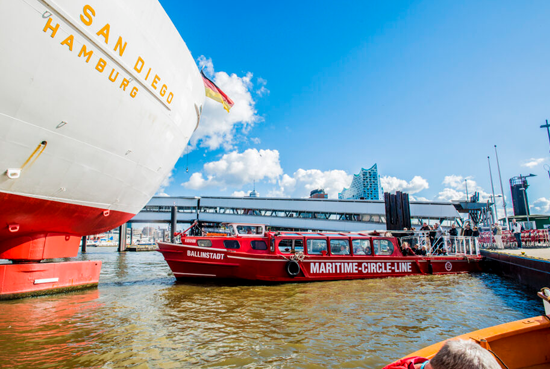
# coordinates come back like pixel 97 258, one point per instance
pixel 192 262
pixel 38 229
pixel 33 279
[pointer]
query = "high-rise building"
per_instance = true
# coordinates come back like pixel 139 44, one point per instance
pixel 364 186
pixel 318 194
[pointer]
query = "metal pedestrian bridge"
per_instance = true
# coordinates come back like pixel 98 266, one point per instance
pixel 286 213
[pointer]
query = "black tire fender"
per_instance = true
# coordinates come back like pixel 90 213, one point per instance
pixel 293 268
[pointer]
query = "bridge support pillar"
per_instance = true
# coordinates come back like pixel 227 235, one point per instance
pixel 122 238
pixel 84 239
pixel 173 223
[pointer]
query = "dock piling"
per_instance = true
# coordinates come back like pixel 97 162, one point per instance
pixel 122 238
pixel 173 222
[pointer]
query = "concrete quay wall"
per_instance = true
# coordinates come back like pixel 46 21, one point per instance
pixel 530 267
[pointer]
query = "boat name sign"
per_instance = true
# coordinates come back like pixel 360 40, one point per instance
pixel 356 268
pixel 205 255
pixel 151 82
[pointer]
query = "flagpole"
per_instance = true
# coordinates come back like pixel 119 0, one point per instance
pixel 502 191
pixel 493 189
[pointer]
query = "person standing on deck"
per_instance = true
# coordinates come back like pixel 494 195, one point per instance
pixel 497 232
pixel 516 230
pixel 467 231
pixel 438 238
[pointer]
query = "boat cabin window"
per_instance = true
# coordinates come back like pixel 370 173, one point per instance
pixel 382 247
pixel 361 247
pixel 316 247
pixel 247 229
pixel 231 244
pixel 204 243
pixel 339 247
pixel 258 245
pixel 288 246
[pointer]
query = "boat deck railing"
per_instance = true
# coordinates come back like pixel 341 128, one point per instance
pixel 444 245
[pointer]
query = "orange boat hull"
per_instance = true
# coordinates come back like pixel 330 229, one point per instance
pixel 520 344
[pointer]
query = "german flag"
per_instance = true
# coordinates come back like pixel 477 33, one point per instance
pixel 214 92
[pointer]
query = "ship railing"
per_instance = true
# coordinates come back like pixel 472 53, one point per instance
pixel 444 245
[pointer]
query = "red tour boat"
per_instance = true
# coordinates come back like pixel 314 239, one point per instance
pixel 247 251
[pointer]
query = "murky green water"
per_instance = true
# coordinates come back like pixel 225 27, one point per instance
pixel 141 318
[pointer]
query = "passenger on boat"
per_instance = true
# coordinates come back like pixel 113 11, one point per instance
pixel 455 354
pixel 423 251
pixel 453 232
pixel 406 249
pixel 432 236
pixel 467 231
pixel 361 247
pixel 438 243
pixel 461 354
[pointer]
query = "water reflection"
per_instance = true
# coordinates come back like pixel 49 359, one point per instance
pixel 140 316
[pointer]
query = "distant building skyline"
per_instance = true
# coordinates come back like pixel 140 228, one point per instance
pixel 318 194
pixel 365 186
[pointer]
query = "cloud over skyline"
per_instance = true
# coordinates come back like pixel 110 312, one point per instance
pixel 531 163
pixel 237 169
pixel 392 184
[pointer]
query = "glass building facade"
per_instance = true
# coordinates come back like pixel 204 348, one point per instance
pixel 364 186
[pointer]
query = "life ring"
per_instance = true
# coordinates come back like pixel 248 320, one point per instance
pixel 292 268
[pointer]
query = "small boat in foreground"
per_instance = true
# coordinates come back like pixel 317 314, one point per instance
pixel 248 252
pixel 516 345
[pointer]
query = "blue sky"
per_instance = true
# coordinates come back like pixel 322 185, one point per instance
pixel 422 88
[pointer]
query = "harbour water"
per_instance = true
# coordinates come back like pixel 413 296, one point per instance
pixel 140 317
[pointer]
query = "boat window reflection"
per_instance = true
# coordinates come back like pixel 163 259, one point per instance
pixel 382 247
pixel 231 244
pixel 316 246
pixel 361 247
pixel 242 229
pixel 298 245
pixel 258 245
pixel 339 247
pixel 285 246
pixel 204 243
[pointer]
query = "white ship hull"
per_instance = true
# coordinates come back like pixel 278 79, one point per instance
pixel 86 139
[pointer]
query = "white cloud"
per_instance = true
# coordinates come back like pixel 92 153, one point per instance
pixel 392 184
pixel 418 198
pixel 531 163
pixel 304 181
pixel 449 194
pixel 456 189
pixel 541 206
pixel 167 181
pixel 262 90
pixel 241 193
pixel 217 127
pixel 236 169
pixel 256 140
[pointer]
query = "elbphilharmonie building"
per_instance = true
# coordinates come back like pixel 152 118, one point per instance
pixel 364 186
